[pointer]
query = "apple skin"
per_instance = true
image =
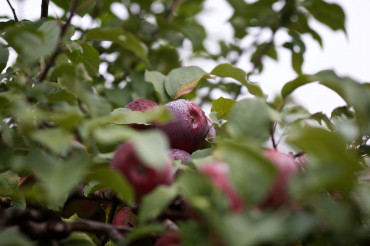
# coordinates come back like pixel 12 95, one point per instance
pixel 286 167
pixel 188 128
pixel 142 178
pixel 179 154
pixel 211 132
pixel 122 217
pixel 169 239
pixel 218 172
pixel 141 105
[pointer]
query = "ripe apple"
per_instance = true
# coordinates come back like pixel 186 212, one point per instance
pixel 218 172
pixel 141 105
pixel 286 167
pixel 122 217
pixel 211 131
pixel 169 239
pixel 189 127
pixel 142 178
pixel 179 154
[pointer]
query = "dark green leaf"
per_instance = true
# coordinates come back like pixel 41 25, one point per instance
pixel 330 14
pixel 88 56
pixel 158 81
pixel 113 180
pixel 228 70
pixel 121 37
pixel 154 203
pixel 297 61
pixel 4 55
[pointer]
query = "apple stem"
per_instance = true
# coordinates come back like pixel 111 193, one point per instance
pixel 272 131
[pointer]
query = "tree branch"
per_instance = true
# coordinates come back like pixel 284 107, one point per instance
pixel 58 49
pixel 13 10
pixel 45 8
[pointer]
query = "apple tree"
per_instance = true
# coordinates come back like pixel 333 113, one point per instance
pixel 104 139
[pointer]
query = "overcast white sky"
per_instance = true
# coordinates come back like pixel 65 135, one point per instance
pixel 348 56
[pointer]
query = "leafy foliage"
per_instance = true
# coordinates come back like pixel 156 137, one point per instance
pixel 62 116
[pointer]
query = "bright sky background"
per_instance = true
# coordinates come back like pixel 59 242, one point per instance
pixel 348 56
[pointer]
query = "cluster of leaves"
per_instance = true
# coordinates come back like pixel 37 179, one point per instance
pixel 61 120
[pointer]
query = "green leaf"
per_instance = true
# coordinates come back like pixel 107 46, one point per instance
pixel 121 37
pixel 4 56
pixel 247 168
pixel 228 70
pixel 113 180
pixel 223 107
pixel 183 80
pixel 58 177
pixel 127 116
pixel 158 80
pixel 152 148
pixel 250 118
pixel 330 14
pixel 88 56
pixel 297 61
pixel 154 203
pixel 83 6
pixel 332 165
pixel 8 182
pixel 9 236
pixel 32 44
pixel 354 93
pixel 56 139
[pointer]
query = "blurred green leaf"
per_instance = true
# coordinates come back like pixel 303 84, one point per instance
pixel 248 167
pixel 250 118
pixel 56 139
pixel 158 81
pixel 32 44
pixel 330 14
pixel 155 202
pixel 113 180
pixel 121 37
pixel 183 80
pixel 228 70
pixel 4 55
pixel 152 148
pixel 297 61
pixel 83 6
pixel 58 177
pixel 354 93
pixel 11 237
pixel 88 56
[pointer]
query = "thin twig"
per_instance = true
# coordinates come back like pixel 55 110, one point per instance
pixel 272 133
pixel 58 49
pixel 13 10
pixel 45 8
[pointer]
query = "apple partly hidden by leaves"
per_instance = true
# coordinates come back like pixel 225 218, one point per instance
pixel 218 172
pixel 123 217
pixel 142 178
pixel 169 239
pixel 286 167
pixel 179 154
pixel 141 105
pixel 189 127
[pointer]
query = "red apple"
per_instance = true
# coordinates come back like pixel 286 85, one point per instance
pixel 189 127
pixel 218 172
pixel 122 217
pixel 169 239
pixel 178 154
pixel 142 177
pixel 286 167
pixel 141 105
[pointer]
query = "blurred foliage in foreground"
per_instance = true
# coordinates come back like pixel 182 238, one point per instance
pixel 61 119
